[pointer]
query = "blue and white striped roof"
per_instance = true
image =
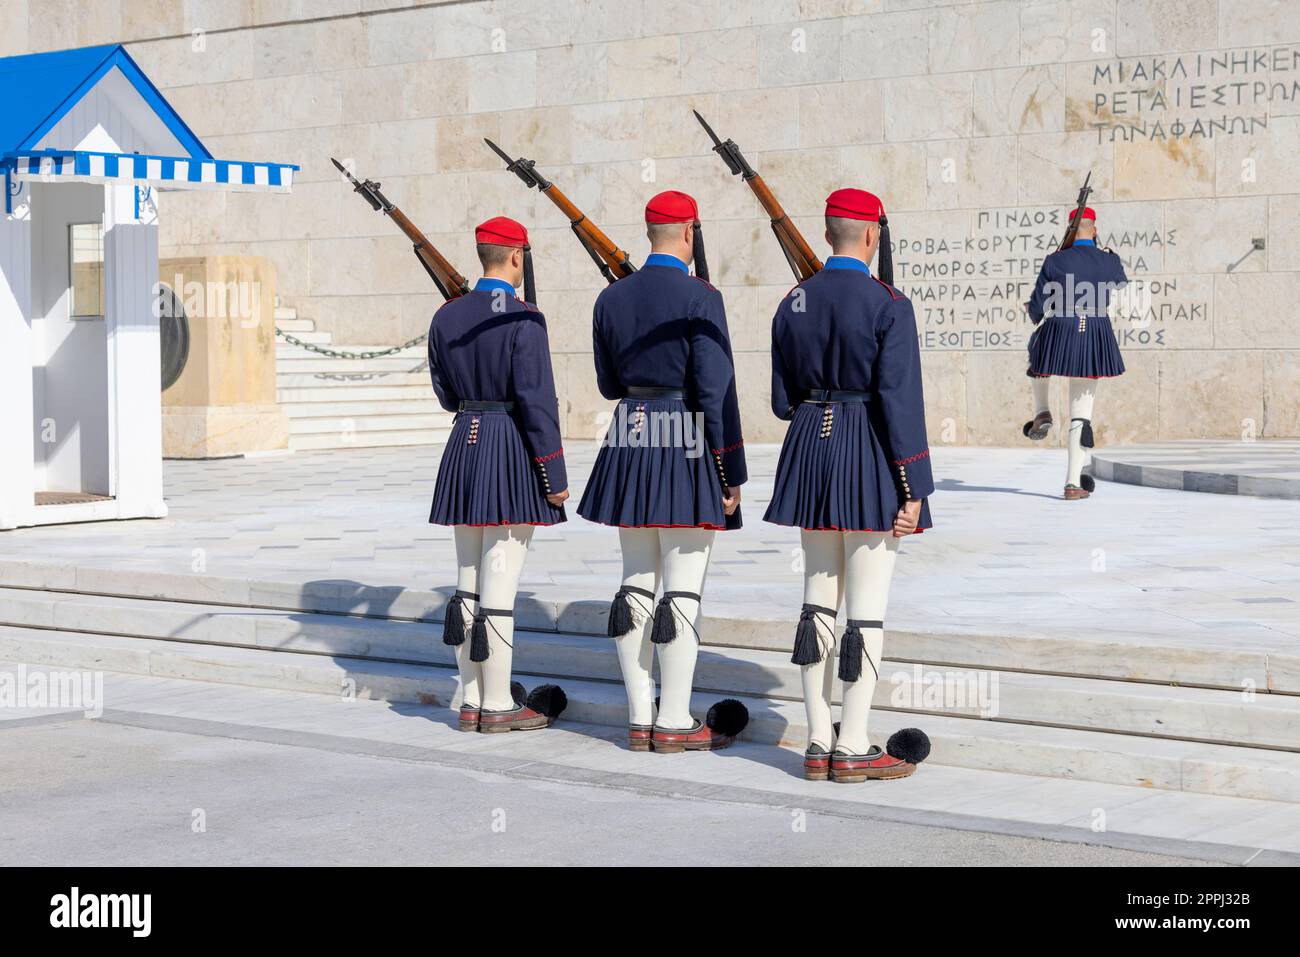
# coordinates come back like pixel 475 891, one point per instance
pixel 165 172
pixel 39 90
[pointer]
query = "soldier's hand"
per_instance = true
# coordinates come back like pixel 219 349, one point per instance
pixel 558 498
pixel 731 499
pixel 908 517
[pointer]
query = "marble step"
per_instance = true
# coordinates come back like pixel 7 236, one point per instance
pixel 962 742
pixel 1070 652
pixel 365 440
pixel 1260 720
pixel 414 404
pixel 403 421
pixel 304 335
pixel 356 392
pixel 350 377
pixel 303 361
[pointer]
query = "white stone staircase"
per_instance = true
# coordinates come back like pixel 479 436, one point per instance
pixel 353 403
pixel 1150 729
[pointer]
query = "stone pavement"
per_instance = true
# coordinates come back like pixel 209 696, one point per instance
pixel 1268 468
pixel 1007 556
pixel 289 778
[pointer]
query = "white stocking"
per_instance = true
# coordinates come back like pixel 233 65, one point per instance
pixel 684 557
pixel 1082 393
pixel 868 568
pixel 1041 386
pixel 823 563
pixel 469 549
pixel 504 549
pixel 635 653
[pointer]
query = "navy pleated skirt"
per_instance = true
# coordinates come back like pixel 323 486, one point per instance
pixel 661 476
pixel 844 482
pixel 490 480
pixel 1057 347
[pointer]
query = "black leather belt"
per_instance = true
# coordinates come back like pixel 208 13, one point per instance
pixel 653 392
pixel 483 405
pixel 837 395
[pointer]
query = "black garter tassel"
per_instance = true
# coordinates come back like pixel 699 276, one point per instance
pixel 478 640
pixel 1085 437
pixel 620 615
pixel 665 626
pixel 852 648
pixel 453 626
pixel 807 649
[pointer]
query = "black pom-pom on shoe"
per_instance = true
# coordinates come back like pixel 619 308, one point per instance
pixel 518 693
pixel 549 700
pixel 908 744
pixel 1087 483
pixel 728 717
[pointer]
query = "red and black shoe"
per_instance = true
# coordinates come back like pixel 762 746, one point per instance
pixel 699 738
pixel 816 763
pixel 638 736
pixel 1038 427
pixel 519 718
pixel 720 727
pixel 538 709
pixel 468 718
pixel 1075 492
pixel 875 765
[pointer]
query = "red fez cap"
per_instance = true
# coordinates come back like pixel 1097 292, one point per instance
pixel 671 206
pixel 855 204
pixel 501 231
pixel 1088 213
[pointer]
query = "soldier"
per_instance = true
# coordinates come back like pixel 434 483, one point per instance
pixel 1076 340
pixel 502 472
pixel 669 472
pixel 854 475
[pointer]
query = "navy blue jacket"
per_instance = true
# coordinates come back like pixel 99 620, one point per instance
pixel 845 329
pixel 661 327
pixel 491 346
pixel 1084 276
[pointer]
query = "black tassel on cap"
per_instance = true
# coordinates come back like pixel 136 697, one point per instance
pixel 697 253
pixel 478 640
pixel 665 626
pixel 530 288
pixel 885 257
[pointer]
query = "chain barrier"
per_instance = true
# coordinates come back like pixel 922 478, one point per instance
pixel 340 354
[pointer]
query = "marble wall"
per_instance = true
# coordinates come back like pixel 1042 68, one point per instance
pixel 975 121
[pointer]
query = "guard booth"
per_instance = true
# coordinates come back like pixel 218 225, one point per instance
pixel 88 150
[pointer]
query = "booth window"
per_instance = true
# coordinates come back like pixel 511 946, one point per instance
pixel 86 265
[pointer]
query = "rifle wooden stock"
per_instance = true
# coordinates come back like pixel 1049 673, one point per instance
pixel 798 253
pixel 450 283
pixel 590 234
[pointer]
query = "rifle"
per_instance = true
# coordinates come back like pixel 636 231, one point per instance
pixel 612 262
pixel 1072 227
pixel 798 253
pixel 450 283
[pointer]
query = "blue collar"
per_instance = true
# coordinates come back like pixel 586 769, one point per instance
pixel 1085 242
pixel 663 259
pixel 487 284
pixel 847 262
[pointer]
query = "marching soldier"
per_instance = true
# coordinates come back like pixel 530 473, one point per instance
pixel 1076 340
pixel 854 475
pixel 669 472
pixel 502 472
